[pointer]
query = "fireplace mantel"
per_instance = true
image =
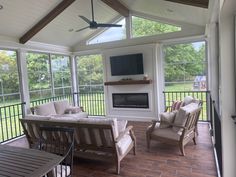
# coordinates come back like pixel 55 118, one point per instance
pixel 128 82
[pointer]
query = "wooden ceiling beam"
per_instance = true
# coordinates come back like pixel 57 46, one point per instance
pixel 196 3
pixel 117 6
pixel 45 20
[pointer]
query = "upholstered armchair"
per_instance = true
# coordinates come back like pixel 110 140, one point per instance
pixel 177 127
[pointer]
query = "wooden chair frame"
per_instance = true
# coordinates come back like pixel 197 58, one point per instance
pixel 83 149
pixel 189 131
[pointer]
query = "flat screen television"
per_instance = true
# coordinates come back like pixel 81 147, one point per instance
pixel 131 64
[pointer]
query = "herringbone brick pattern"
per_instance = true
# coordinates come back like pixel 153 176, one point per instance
pixel 162 160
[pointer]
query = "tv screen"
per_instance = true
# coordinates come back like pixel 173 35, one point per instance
pixel 127 64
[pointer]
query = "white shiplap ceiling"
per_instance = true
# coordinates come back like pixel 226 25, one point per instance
pixel 18 16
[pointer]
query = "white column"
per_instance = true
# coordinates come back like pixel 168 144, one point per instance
pixel 74 79
pixel 24 88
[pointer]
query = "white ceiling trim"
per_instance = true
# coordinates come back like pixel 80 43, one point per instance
pixel 13 44
pixel 144 40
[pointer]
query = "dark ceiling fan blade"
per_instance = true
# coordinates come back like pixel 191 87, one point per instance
pixel 85 19
pixel 82 29
pixel 108 25
pixel 196 3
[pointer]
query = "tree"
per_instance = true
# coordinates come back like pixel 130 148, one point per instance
pixel 90 72
pixel 38 71
pixel 8 73
pixel 145 27
pixel 183 60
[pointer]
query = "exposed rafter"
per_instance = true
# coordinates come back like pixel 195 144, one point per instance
pixel 117 6
pixel 45 20
pixel 197 3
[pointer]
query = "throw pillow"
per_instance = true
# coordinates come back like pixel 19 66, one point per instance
pixel 166 118
pixel 73 110
pixel 187 100
pixel 181 116
pixel 176 105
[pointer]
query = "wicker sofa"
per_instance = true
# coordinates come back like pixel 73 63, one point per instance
pixel 95 138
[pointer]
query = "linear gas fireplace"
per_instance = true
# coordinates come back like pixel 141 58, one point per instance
pixel 130 100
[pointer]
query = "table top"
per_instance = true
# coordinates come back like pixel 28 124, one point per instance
pixel 22 162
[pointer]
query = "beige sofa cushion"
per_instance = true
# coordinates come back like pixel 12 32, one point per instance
pixel 109 121
pixel 181 116
pixel 61 106
pixel 124 144
pixel 45 109
pixel 187 100
pixel 168 133
pixel 166 118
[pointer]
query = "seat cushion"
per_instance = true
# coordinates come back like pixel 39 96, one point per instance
pixel 124 144
pixel 45 109
pixel 168 133
pixel 61 106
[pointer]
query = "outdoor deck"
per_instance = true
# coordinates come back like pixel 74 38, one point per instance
pixel 162 161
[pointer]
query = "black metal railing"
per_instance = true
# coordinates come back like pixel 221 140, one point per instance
pixel 170 96
pixel 10 126
pixel 216 133
pixel 49 99
pixel 93 103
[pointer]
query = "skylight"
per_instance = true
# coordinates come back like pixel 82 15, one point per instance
pixel 110 34
pixel 145 27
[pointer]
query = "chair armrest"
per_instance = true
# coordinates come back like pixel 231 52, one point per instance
pixel 155 121
pixel 126 131
pixel 152 126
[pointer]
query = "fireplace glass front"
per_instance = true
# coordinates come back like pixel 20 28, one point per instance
pixel 130 100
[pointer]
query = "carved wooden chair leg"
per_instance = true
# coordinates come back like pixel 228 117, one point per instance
pixel 181 146
pixel 148 140
pixel 194 141
pixel 134 149
pixel 118 167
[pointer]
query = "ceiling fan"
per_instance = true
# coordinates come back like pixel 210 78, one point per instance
pixel 93 24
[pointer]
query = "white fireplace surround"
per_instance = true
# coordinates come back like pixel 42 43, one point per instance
pixel 150 66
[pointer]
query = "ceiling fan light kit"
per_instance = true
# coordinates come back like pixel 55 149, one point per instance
pixel 93 24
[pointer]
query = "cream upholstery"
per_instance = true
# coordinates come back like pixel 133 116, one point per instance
pixel 124 143
pixel 95 138
pixel 106 121
pixel 167 118
pixel 45 109
pixel 59 109
pixel 181 131
pixel 61 106
pixel 167 133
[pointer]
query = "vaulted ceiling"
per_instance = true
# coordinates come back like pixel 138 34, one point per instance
pixel 18 17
